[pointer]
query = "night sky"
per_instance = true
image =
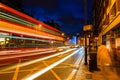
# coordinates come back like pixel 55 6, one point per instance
pixel 69 14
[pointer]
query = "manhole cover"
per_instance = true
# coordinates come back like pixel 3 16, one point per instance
pixel 88 76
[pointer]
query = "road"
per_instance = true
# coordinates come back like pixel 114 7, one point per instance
pixel 40 64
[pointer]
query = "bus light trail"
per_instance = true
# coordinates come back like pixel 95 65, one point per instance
pixel 21 52
pixel 10 57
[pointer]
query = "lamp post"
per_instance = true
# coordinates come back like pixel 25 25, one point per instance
pixel 85 22
pixel 86 48
pixel 86 28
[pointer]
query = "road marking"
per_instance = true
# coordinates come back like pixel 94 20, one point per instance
pixel 35 75
pixel 28 70
pixel 13 71
pixel 17 70
pixel 66 65
pixel 63 67
pixel 37 60
pixel 32 70
pixel 70 77
pixel 56 76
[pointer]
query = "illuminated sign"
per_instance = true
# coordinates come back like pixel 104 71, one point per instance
pixel 87 27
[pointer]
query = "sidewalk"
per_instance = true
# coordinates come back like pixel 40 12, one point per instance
pixel 105 73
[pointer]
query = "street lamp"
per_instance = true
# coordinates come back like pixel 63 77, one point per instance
pixel 86 28
pixel 85 21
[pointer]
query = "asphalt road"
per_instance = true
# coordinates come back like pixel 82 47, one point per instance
pixel 40 64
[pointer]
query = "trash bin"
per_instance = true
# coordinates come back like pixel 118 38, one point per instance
pixel 91 68
pixel 93 61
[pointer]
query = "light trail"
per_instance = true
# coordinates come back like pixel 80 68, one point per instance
pixel 9 57
pixel 8 51
pixel 18 29
pixel 20 51
pixel 70 77
pixel 37 60
pixel 49 67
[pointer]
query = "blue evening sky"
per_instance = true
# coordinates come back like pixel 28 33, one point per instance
pixel 69 14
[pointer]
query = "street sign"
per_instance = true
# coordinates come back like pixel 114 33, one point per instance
pixel 87 27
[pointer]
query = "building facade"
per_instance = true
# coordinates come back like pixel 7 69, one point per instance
pixel 106 23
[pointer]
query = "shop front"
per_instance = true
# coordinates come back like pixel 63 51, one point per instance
pixel 112 39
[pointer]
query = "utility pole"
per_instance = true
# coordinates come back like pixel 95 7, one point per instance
pixel 85 22
pixel 85 12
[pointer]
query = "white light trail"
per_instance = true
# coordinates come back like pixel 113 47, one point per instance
pixel 70 77
pixel 9 57
pixel 9 52
pixel 49 67
pixel 20 51
pixel 37 60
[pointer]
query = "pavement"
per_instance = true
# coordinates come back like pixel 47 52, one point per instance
pixel 105 73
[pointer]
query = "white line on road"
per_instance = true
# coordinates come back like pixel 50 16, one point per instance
pixel 35 75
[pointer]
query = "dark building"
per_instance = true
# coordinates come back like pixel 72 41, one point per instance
pixel 99 9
